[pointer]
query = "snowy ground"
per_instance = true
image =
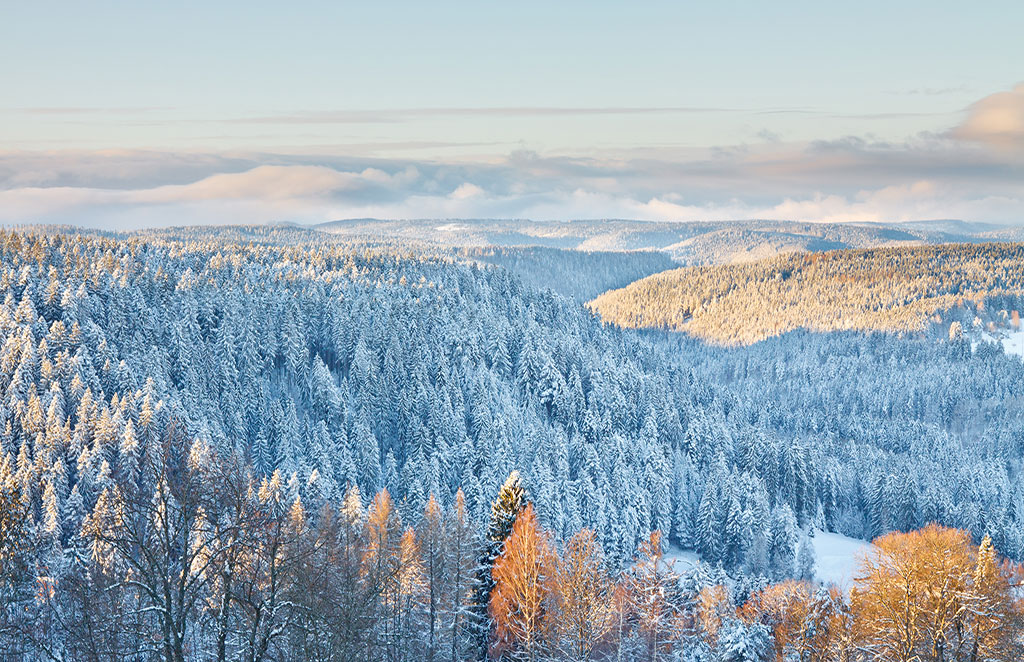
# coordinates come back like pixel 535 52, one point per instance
pixel 836 558
pixel 680 560
pixel 1013 341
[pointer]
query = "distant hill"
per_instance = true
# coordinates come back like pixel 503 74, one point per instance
pixel 954 226
pixel 718 242
pixel 890 289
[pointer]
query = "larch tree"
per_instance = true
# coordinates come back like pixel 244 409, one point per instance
pixel 584 613
pixel 652 588
pixel 930 595
pixel 462 555
pixel 434 542
pixel 410 599
pixel 382 567
pixel 995 610
pixel 524 583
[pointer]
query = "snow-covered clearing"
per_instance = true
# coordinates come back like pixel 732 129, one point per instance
pixel 680 560
pixel 836 557
pixel 1013 341
pixel 451 227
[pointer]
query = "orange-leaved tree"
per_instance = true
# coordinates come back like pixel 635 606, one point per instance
pixel 523 583
pixel 933 595
pixel 585 610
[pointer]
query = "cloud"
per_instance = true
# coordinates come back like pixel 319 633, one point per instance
pixel 933 91
pixel 997 121
pixel 845 180
pixel 466 191
pixel 112 168
pixel 260 194
pixel 272 183
pixel 391 115
pixel 311 195
pixel 972 171
pixel 88 110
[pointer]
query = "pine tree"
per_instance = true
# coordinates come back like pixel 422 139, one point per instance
pixel 736 534
pixel 805 560
pixel 367 457
pixel 709 530
pixel 15 547
pixel 51 519
pixel 742 642
pixel 783 541
pixel 129 455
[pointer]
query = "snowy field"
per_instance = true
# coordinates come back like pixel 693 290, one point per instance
pixel 681 560
pixel 836 558
pixel 1013 341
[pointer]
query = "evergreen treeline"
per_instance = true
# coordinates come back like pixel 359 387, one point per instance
pixel 691 243
pixel 887 289
pixel 421 375
pixel 581 275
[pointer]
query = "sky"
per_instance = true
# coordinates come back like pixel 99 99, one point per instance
pixel 129 114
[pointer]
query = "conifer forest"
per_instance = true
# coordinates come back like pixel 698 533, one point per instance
pixel 273 443
pixel 461 331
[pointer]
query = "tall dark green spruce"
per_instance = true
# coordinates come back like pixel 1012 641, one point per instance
pixel 507 506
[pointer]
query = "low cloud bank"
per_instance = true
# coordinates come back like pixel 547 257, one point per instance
pixel 973 171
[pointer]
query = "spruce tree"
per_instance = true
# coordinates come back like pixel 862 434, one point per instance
pixel 504 511
pixel 805 561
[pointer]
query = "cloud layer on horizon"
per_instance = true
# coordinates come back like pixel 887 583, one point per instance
pixel 973 171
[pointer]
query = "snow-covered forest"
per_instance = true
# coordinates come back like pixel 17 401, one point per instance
pixel 272 443
pixel 882 289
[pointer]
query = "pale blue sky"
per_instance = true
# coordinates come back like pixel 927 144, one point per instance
pixel 735 100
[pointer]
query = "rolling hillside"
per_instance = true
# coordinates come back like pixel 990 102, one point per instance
pixel 718 242
pixel 887 289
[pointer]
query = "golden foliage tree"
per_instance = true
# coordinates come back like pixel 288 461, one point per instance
pixel 523 582
pixel 433 542
pixel 932 595
pixel 584 604
pixel 382 563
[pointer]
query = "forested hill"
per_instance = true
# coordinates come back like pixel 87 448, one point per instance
pixel 885 289
pixel 321 373
pixel 422 375
pixel 689 243
pixel 581 275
